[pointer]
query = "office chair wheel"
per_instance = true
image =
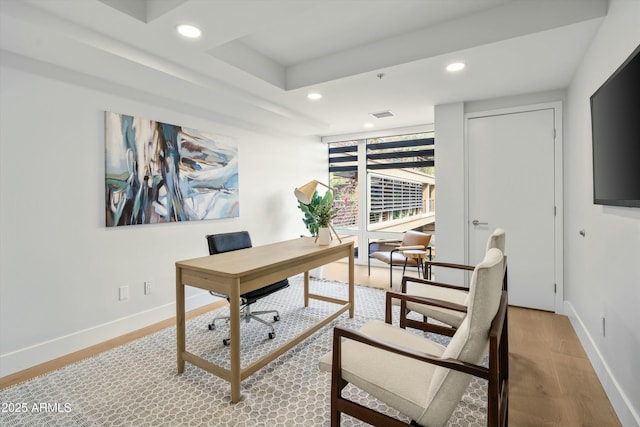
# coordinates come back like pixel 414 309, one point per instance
pixel 272 335
pixel 212 326
pixel 276 318
pixel 226 342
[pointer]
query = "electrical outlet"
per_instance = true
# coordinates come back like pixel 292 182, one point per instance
pixel 123 293
pixel 147 287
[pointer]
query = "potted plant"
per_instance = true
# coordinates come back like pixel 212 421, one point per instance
pixel 310 211
pixel 311 217
pixel 324 214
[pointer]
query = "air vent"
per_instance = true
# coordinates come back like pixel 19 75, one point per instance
pixel 382 114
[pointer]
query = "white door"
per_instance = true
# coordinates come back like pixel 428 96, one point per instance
pixel 511 186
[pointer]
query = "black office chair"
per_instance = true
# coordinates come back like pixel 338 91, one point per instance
pixel 227 242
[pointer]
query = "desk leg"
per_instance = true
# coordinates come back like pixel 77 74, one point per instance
pixel 180 320
pixel 306 288
pixel 234 324
pixel 351 285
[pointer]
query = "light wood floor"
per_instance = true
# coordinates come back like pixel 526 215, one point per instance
pixel 552 383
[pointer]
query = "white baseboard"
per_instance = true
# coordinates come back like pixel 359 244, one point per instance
pixel 621 403
pixel 34 355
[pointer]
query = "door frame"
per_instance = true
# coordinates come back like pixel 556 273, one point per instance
pixel 558 187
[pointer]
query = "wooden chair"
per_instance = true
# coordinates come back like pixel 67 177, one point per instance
pixel 456 297
pixel 390 251
pixel 419 377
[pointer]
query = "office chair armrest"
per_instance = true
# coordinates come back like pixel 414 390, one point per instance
pixel 215 294
pixel 222 296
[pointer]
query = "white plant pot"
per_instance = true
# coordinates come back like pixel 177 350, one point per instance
pixel 324 236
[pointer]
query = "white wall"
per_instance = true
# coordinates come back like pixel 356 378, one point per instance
pixel 450 197
pixel 60 268
pixel 602 274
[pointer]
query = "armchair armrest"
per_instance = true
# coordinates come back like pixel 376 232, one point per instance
pixel 384 245
pixel 450 265
pixel 406 279
pixel 408 248
pixel 404 298
pixel 386 241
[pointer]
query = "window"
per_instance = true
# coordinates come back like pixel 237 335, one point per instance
pixel 384 186
pixel 401 178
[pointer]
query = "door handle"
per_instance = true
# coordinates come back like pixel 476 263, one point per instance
pixel 476 222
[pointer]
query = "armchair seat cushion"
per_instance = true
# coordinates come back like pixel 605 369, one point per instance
pixel 450 317
pixel 395 258
pixel 397 380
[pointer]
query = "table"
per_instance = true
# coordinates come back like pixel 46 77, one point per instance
pixel 237 272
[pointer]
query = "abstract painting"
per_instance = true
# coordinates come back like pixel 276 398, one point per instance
pixel 158 172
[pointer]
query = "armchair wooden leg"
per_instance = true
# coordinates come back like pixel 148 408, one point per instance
pixel 335 414
pixel 336 395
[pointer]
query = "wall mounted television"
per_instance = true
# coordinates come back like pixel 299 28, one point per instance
pixel 615 130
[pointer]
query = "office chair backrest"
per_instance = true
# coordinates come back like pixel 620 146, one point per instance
pixel 226 242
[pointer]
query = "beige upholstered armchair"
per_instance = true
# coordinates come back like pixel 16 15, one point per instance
pixel 420 378
pixel 390 251
pixel 457 297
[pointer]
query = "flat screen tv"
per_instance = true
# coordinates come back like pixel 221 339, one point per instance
pixel 615 130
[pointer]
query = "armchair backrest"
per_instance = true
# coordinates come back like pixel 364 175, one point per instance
pixel 226 242
pixel 470 341
pixel 497 240
pixel 416 238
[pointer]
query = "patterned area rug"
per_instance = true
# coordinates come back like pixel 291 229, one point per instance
pixel 137 384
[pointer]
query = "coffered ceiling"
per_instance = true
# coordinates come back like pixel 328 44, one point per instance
pixel 258 59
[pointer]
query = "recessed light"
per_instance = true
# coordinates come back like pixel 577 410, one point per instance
pixel 455 66
pixel 368 125
pixel 314 96
pixel 189 31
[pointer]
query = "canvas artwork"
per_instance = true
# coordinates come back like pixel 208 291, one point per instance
pixel 158 172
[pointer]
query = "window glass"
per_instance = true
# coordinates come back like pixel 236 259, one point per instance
pixel 343 178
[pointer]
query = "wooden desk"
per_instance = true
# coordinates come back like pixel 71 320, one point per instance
pixel 237 272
